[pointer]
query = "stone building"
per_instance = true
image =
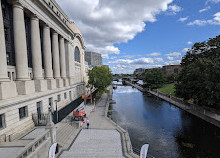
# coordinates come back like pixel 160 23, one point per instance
pixel 93 59
pixel 171 69
pixel 139 71
pixel 41 62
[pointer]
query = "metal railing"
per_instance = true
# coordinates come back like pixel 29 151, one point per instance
pixel 40 119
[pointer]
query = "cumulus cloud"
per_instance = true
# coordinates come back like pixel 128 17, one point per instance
pixel 176 62
pixel 214 21
pixel 170 58
pixel 174 54
pixel 104 22
pixel 129 65
pixel 173 9
pixel 130 68
pixel 205 9
pixel 139 61
pixel 185 50
pixel 154 54
pixel 183 19
pixel 189 42
pixel 212 1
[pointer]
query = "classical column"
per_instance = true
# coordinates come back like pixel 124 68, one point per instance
pixel 20 43
pixel 47 53
pixel 56 59
pixel 3 62
pixel 36 48
pixel 62 58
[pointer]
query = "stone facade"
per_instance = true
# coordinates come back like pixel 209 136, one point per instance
pixel 171 69
pixel 93 59
pixel 38 43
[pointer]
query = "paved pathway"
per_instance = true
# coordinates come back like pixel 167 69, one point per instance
pixel 100 140
pixel 95 143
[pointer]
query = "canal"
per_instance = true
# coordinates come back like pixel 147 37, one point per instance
pixel 170 131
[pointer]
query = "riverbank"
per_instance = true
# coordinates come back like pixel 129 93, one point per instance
pixel 204 113
pixel 95 142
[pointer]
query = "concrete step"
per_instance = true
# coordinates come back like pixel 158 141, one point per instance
pixel 64 134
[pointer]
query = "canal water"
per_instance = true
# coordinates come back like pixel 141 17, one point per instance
pixel 170 131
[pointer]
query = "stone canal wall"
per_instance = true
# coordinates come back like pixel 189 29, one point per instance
pixel 205 113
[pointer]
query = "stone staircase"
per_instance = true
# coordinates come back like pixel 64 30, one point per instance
pixel 65 133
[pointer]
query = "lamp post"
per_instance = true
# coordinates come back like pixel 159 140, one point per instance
pixel 56 109
pixel 94 103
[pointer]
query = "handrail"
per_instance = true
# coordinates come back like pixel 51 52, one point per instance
pixel 30 148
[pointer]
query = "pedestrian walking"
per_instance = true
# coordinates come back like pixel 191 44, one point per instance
pixel 87 123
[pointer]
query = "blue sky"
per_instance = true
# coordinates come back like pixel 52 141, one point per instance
pixel 144 33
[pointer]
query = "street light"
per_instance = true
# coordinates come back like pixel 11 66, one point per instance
pixel 56 109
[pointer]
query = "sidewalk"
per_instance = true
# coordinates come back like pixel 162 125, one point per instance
pixel 102 139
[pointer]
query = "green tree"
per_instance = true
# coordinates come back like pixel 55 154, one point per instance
pixel 100 78
pixel 154 78
pixel 171 78
pixel 200 77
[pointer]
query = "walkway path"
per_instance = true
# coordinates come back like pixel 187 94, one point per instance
pixel 101 140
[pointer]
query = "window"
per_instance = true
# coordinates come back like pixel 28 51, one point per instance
pixel 27 21
pixel 6 30
pixel 23 112
pixel 2 121
pixel 64 95
pixel 7 13
pixel 77 54
pixel 3 11
pixel 9 75
pixel 58 98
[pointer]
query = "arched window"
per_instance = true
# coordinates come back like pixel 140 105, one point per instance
pixel 77 54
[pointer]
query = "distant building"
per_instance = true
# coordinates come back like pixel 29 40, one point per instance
pixel 93 59
pixel 171 69
pixel 139 71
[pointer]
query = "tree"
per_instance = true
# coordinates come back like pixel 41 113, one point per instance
pixel 200 77
pixel 154 78
pixel 171 78
pixel 100 77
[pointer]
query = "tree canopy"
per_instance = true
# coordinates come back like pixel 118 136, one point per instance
pixel 200 77
pixel 154 78
pixel 100 77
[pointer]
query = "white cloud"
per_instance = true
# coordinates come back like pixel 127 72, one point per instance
pixel 175 62
pixel 214 21
pixel 174 54
pixel 173 9
pixel 130 56
pixel 129 65
pixel 205 9
pixel 130 68
pixel 212 1
pixel 185 50
pixel 183 19
pixel 154 54
pixel 189 42
pixel 170 58
pixel 104 22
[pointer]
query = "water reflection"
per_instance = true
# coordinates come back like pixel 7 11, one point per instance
pixel 170 131
pixel 121 89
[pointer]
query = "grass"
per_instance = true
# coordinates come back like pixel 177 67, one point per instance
pixel 168 89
